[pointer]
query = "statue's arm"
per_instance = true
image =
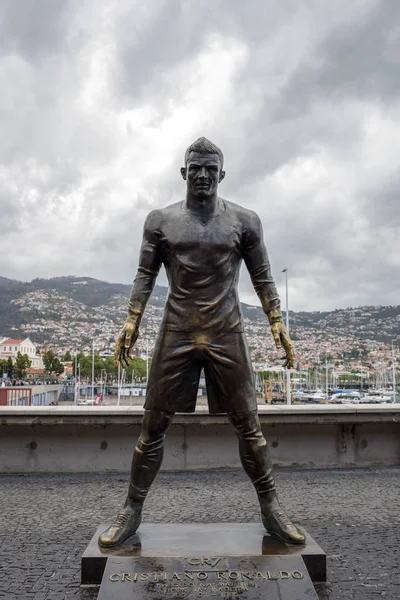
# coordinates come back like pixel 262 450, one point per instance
pixel 149 266
pixel 255 256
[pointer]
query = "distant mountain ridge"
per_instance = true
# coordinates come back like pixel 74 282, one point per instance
pixel 26 307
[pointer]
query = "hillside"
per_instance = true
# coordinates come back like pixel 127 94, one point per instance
pixel 25 303
pixel 72 311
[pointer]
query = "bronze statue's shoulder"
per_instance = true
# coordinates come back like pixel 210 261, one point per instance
pixel 245 215
pixel 174 208
pixel 158 216
pixel 168 212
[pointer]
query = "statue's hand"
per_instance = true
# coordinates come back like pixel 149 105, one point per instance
pixel 125 342
pixel 282 338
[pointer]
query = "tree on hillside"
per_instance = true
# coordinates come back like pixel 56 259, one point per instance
pixel 267 375
pixel 84 363
pixel 22 363
pixel 67 356
pixel 138 366
pixel 3 367
pixel 52 364
pixel 10 368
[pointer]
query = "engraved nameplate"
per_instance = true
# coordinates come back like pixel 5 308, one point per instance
pixel 207 577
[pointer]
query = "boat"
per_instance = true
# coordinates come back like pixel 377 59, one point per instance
pixel 350 397
pixel 375 398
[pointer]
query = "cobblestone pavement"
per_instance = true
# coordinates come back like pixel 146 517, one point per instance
pixel 47 520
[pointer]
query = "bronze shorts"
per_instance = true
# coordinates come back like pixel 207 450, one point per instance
pixel 177 363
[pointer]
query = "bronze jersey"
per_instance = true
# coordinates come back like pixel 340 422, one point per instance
pixel 202 261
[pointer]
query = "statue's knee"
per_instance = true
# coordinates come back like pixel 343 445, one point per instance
pixel 259 440
pixel 246 425
pixel 149 442
pixel 255 440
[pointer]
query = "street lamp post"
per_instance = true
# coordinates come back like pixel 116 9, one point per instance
pixel 102 390
pixel 118 388
pixel 326 375
pixel 288 400
pixel 76 377
pixel 394 374
pixel 93 371
pixel 78 387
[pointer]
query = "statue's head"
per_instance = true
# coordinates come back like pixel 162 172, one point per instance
pixel 203 169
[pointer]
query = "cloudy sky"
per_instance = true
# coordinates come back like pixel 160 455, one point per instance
pixel 100 99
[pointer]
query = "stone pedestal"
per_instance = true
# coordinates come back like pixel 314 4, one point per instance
pixel 198 540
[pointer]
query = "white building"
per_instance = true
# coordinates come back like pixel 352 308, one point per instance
pixel 10 348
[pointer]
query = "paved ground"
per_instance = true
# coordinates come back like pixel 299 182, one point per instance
pixel 46 522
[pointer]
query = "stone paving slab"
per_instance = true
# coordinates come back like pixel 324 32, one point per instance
pixel 46 521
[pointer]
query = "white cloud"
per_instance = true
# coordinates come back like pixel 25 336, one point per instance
pixel 100 104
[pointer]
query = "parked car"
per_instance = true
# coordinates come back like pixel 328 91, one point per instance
pixel 86 401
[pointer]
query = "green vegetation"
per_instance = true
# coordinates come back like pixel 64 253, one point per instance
pixel 16 370
pixel 52 364
pixel 106 365
pixel 22 363
pixel 266 375
pixel 6 366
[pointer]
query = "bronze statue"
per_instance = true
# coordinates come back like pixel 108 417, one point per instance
pixel 202 241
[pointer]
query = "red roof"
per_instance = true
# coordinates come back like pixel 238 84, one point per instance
pixel 10 342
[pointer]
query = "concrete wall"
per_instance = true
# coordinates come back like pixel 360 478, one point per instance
pixel 93 439
pixel 42 395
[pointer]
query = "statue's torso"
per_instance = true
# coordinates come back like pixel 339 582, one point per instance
pixel 202 263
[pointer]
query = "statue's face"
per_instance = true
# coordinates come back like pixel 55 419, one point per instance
pixel 202 174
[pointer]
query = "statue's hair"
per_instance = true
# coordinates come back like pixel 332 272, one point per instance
pixel 204 146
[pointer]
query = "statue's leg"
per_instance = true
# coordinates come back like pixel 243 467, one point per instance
pixel 146 462
pixel 148 454
pixel 256 461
